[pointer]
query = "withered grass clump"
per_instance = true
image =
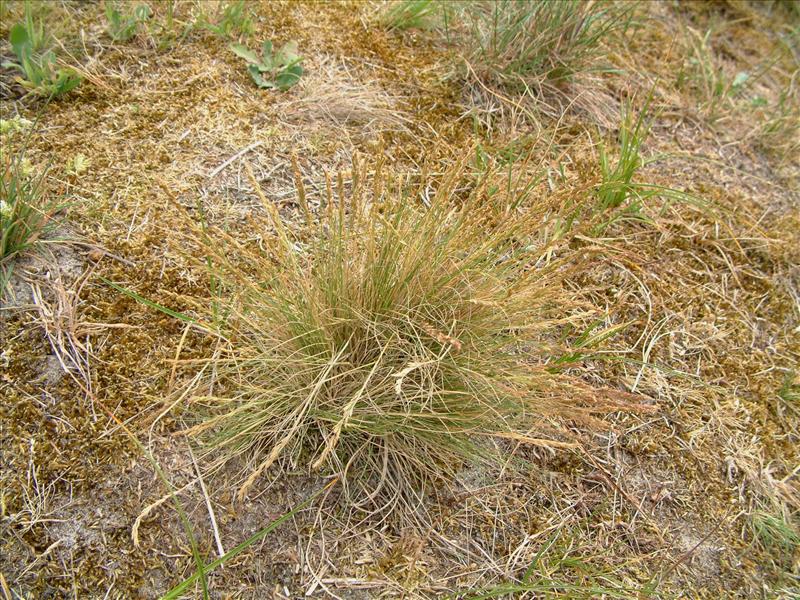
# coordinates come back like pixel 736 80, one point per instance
pixel 400 329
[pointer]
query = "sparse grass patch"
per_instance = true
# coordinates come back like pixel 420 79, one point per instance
pixel 557 570
pixel 167 30
pixel 391 343
pixel 705 77
pixel 621 195
pixel 230 20
pixel 779 131
pixel 407 14
pixel 26 212
pixel 334 98
pixel 529 44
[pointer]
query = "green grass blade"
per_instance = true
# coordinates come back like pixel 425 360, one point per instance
pixel 150 303
pixel 187 526
pixel 176 591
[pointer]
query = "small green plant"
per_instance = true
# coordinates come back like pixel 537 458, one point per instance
pixel 122 27
pixel 234 18
pixel 620 195
pixel 36 31
pixel 41 75
pixel 25 213
pixel 617 186
pixel 13 125
pixel 407 14
pixel 78 165
pixel 169 30
pixel 272 70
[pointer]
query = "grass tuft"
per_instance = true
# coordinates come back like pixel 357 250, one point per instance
pixel 621 195
pixel 790 390
pixel 775 532
pixel 394 341
pixel 618 186
pixel 521 47
pixel 529 44
pixel 26 213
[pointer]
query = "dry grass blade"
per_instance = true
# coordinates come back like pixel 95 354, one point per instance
pixel 334 96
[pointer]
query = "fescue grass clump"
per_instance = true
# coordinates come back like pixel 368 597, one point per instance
pixel 518 43
pixel 398 338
